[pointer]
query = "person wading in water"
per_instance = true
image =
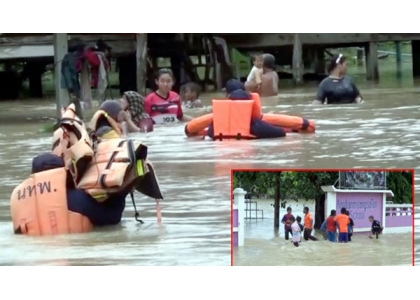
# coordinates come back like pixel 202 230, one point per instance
pixel 308 225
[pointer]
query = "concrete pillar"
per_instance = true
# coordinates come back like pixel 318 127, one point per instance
pixel 239 201
pixel 60 50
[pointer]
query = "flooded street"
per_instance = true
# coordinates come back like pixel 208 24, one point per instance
pixel 265 248
pixel 195 229
pixel 195 178
pixel 417 236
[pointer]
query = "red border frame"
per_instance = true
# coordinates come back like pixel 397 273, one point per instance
pixel 315 170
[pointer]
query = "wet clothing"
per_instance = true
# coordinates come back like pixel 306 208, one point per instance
pixel 287 225
pixel 136 106
pixel 296 236
pixel 342 221
pixel 350 228
pixel 343 237
pixel 100 214
pixel 331 225
pixel 170 107
pixel 307 235
pixel 376 227
pixel 337 91
pixel 324 226
pixel 308 221
pixel 331 229
pixel 332 236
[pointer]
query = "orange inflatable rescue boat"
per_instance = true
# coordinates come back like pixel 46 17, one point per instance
pixel 100 167
pixel 232 119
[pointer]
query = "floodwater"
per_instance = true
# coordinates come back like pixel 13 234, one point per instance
pixel 263 247
pixel 194 175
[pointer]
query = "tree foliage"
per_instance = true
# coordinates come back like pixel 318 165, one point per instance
pixel 307 185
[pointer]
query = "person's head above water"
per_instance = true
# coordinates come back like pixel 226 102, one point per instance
pixel 164 81
pixel 338 65
pixel 269 62
pixel 112 108
pixel 258 60
pixel 235 90
pixel 190 91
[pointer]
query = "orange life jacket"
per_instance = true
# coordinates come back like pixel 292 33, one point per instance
pixel 72 141
pixel 98 116
pixel 116 165
pixel 232 119
pixel 39 206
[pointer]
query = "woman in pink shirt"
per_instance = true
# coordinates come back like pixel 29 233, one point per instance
pixel 164 105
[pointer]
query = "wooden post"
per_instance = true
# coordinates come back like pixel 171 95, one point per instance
pixel 60 50
pixel 359 56
pixel 319 63
pixel 372 72
pixel 141 57
pixel 85 87
pixel 398 57
pixel 297 61
pixel 415 50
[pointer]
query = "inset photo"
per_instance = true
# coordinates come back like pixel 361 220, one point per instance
pixel 322 217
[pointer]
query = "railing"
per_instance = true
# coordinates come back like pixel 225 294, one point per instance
pixel 249 209
pixel 398 215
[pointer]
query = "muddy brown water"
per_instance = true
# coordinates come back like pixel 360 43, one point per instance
pixel 194 175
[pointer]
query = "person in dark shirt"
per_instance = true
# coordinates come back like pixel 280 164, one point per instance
pixel 287 223
pixel 338 88
pixel 376 227
pixel 350 226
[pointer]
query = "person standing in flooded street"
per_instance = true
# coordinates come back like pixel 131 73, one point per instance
pixel 343 222
pixel 338 88
pixel 269 85
pixel 332 227
pixel 308 225
pixel 287 223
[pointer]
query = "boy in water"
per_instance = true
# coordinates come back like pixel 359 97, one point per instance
pixel 296 229
pixel 254 77
pixel 376 227
pixel 287 223
pixel 189 94
pixel 350 226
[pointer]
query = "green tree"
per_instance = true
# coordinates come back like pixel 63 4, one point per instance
pixel 401 184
